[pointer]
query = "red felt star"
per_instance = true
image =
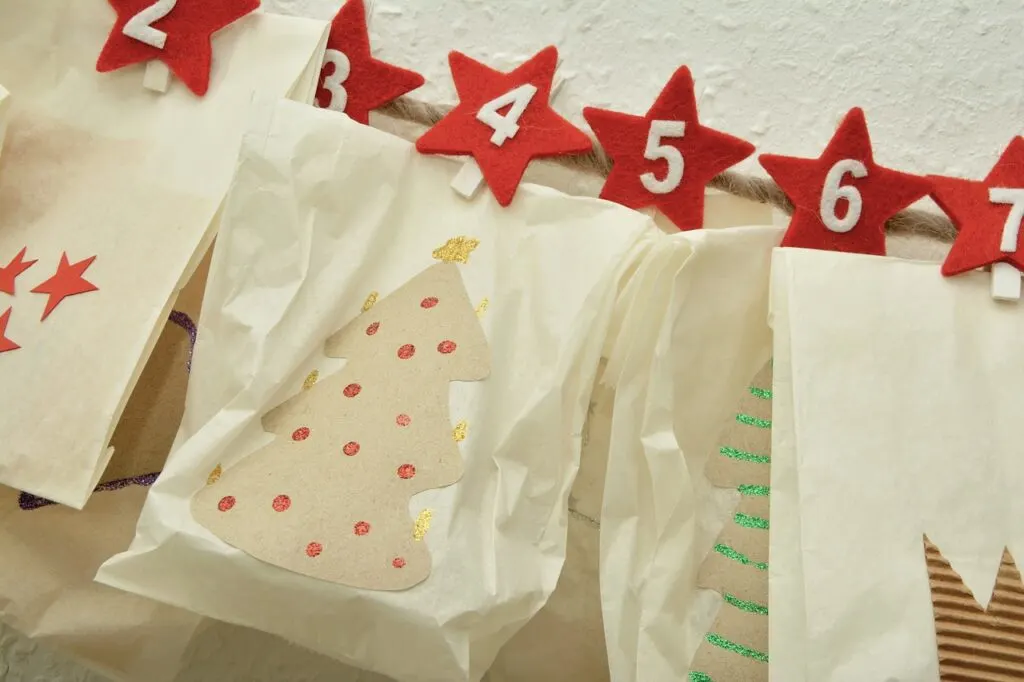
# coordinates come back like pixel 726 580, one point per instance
pixel 980 220
pixel 67 281
pixel 665 164
pixel 5 343
pixel 876 192
pixel 188 28
pixel 351 80
pixel 9 273
pixel 504 154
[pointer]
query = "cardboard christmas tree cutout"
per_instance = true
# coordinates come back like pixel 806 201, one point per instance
pixel 329 497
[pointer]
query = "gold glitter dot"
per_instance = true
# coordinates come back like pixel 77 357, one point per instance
pixel 422 525
pixel 459 432
pixel 482 308
pixel 310 380
pixel 370 300
pixel 456 250
pixel 214 475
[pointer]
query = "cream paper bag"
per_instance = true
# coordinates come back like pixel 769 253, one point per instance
pixel 51 552
pixel 326 219
pixel 675 385
pixel 96 166
pixel 897 427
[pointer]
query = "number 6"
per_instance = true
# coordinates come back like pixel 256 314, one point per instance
pixel 833 192
pixel 672 156
pixel 140 26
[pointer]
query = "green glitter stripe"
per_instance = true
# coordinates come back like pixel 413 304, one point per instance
pixel 730 553
pixel 763 393
pixel 700 677
pixel 751 420
pixel 748 521
pixel 748 606
pixel 722 642
pixel 744 455
pixel 754 490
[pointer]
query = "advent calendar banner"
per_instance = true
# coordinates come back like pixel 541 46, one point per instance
pixel 387 402
pixel 896 475
pixel 108 196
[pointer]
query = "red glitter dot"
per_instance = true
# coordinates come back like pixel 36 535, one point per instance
pixel 361 528
pixel 428 302
pixel 226 503
pixel 351 448
pixel 407 351
pixel 398 562
pixel 446 347
pixel 406 471
pixel 281 503
pixel 403 420
pixel 313 549
pixel 352 390
pixel 301 433
pixel 372 329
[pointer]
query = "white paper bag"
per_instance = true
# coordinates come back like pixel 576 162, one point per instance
pixel 94 165
pixel 323 212
pixel 897 403
pixel 675 384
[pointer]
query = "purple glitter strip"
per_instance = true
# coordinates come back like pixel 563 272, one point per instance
pixel 28 502
pixel 185 322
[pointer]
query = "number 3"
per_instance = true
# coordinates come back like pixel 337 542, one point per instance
pixel 505 127
pixel 334 82
pixel 140 26
pixel 1011 230
pixel 672 156
pixel 833 192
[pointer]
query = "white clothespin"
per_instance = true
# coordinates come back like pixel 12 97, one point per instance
pixel 5 111
pixel 468 180
pixel 1005 277
pixel 140 27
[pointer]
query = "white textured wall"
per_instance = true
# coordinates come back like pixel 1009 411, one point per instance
pixel 942 82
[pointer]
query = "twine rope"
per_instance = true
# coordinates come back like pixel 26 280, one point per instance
pixel 762 190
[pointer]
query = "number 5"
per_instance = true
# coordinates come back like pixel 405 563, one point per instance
pixel 140 26
pixel 1011 230
pixel 656 151
pixel 334 82
pixel 833 192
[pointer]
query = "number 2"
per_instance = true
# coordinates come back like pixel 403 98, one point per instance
pixel 1011 229
pixel 833 192
pixel 672 156
pixel 140 26
pixel 334 83
pixel 506 126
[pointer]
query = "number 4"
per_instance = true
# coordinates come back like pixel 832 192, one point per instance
pixel 506 126
pixel 672 156
pixel 140 26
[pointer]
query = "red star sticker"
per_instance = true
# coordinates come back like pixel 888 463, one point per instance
pixel 353 81
pixel 980 220
pixel 188 28
pixel 67 281
pixel 857 183
pixel 539 131
pixel 5 343
pixel 9 273
pixel 665 164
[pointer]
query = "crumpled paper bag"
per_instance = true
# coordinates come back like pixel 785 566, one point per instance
pixel 51 552
pixel 323 212
pixel 675 384
pixel 897 412
pixel 94 165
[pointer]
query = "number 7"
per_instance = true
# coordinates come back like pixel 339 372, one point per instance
pixel 140 26
pixel 1011 229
